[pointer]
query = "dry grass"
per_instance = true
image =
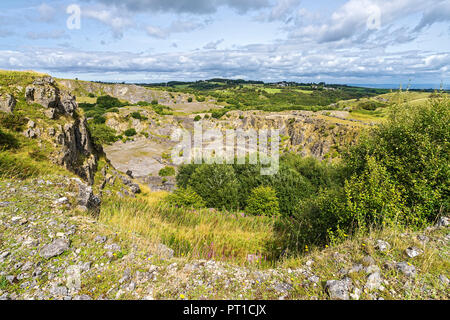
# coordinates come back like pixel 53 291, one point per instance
pixel 191 233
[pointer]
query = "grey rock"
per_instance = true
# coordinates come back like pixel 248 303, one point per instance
pixel 413 252
pixel 164 252
pixel 7 103
pixel 314 279
pixel 443 222
pixel 337 290
pixel 62 200
pixel 382 246
pixel 58 291
pixel 422 238
pixel 135 188
pixel 82 297
pixel 86 197
pixel 443 279
pixel 407 269
pixel 368 261
pixel 356 268
pixel 86 266
pixel 100 239
pixel 282 287
pixel 27 266
pixel 374 281
pixel 54 249
pixel 73 278
pixel 114 247
pixel 356 294
pixel 372 269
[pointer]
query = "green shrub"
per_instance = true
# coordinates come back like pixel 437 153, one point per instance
pixel 113 110
pixel 197 118
pixel 184 174
pixel 218 113
pixel 107 102
pixel 138 116
pixel 185 197
pixel 155 102
pixel 130 132
pixel 217 185
pixel 263 201
pixel 189 99
pixel 99 119
pixel 167 172
pixel 413 145
pixel 102 134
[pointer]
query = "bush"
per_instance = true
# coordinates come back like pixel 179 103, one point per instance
pixel 413 146
pixel 99 119
pixel 218 113
pixel 263 201
pixel 138 116
pixel 189 99
pixel 167 172
pixel 107 102
pixel 217 185
pixel 130 132
pixel 185 197
pixel 197 118
pixel 155 102
pixel 102 134
pixel 184 174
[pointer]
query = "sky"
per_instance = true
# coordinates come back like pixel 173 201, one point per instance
pixel 340 41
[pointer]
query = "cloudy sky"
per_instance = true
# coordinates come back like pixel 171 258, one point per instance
pixel 340 41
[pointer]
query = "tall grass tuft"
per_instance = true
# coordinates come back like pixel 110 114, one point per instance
pixel 196 234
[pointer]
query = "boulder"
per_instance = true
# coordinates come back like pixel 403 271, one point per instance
pixel 382 246
pixel 55 248
pixel 86 198
pixel 406 268
pixel 7 103
pixel 337 289
pixel 413 252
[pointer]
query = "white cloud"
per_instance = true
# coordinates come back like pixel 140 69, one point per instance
pixel 213 45
pixel 284 64
pixel 187 6
pixel 178 26
pixel 117 20
pixel 46 13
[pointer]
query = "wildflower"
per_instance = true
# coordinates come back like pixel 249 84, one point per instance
pixel 182 296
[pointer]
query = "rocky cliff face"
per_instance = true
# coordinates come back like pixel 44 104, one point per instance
pixel 64 127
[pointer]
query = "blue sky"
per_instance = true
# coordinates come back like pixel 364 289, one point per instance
pixel 344 41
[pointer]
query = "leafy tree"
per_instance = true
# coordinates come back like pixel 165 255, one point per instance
pixel 130 132
pixel 263 201
pixel 167 172
pixel 185 197
pixel 217 185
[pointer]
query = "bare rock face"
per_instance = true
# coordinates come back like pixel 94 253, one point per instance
pixel 44 91
pixel 86 198
pixel 77 153
pixel 7 103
